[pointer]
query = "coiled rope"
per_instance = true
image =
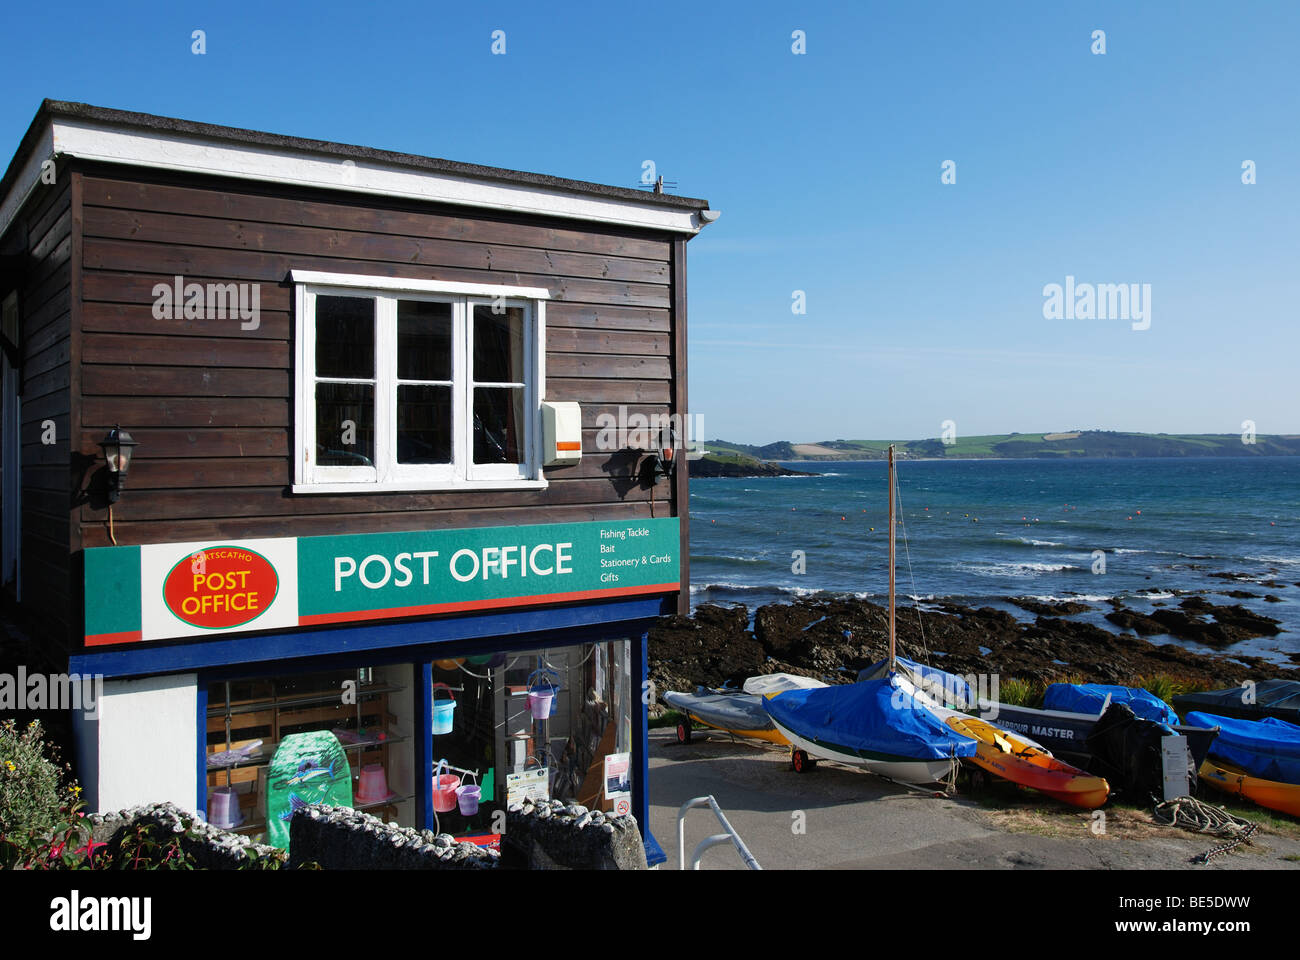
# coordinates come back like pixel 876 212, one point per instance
pixel 1191 814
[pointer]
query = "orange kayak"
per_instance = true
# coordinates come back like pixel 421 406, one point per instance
pixel 1284 797
pixel 1005 755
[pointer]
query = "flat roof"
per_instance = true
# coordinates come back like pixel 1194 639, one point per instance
pixel 63 128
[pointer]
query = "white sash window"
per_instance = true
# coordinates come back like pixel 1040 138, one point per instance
pixel 417 385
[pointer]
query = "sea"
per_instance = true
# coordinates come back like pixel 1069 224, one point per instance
pixel 980 531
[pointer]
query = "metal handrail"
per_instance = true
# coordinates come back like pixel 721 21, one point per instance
pixel 718 838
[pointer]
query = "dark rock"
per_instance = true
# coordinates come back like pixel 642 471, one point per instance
pixel 1050 608
pixel 831 638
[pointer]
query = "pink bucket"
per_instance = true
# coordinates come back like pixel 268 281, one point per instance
pixel 444 789
pixel 540 704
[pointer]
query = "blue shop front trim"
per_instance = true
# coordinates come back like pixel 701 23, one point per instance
pixel 596 654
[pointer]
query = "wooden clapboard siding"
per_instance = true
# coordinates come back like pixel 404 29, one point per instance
pixel 96 534
pixel 269 204
pixel 211 404
pixel 44 231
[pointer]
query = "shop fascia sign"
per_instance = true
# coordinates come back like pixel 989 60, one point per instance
pixel 161 591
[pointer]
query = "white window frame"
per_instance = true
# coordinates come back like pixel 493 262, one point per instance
pixel 387 474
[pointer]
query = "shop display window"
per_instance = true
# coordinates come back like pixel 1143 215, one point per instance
pixel 537 721
pixel 369 710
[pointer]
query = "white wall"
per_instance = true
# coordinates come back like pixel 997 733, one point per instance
pixel 143 748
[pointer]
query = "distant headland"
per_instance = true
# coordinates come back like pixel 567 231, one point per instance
pixel 1043 446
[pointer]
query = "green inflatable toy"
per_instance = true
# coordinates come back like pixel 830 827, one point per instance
pixel 307 769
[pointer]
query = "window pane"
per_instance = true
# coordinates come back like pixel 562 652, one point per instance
pixel 498 345
pixel 423 340
pixel 498 425
pixel 345 424
pixel 345 337
pixel 423 424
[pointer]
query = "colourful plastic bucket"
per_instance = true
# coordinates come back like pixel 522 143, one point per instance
pixel 467 798
pixel 540 704
pixel 543 685
pixel 444 789
pixel 443 710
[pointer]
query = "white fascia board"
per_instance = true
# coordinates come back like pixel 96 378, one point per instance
pixel 401 285
pixel 27 181
pixel 193 154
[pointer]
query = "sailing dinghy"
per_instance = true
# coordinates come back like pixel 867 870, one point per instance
pixel 732 712
pixel 882 724
pixel 735 712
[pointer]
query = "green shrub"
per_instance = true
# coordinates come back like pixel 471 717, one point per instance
pixel 1166 687
pixel 30 780
pixel 1015 692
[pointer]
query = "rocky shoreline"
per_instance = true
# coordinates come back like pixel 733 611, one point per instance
pixel 833 638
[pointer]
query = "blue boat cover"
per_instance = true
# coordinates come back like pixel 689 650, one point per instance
pixel 873 716
pixel 1268 748
pixel 1088 698
pixel 929 679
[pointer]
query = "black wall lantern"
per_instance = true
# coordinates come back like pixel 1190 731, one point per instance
pixel 118 447
pixel 662 458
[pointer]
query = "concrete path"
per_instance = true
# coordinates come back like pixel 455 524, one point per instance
pixel 835 817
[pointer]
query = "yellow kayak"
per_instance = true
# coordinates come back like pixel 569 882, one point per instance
pixel 1005 755
pixel 1284 797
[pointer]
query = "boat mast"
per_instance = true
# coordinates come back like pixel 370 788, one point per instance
pixel 891 558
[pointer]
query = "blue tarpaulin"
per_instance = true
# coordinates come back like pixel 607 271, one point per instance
pixel 875 717
pixel 944 687
pixel 1088 698
pixel 1268 748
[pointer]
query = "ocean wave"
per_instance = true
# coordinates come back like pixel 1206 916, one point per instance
pixel 1073 597
pixel 1017 569
pixel 1127 550
pixel 1031 542
pixel 727 587
pixel 801 591
pixel 725 558
pixel 1289 561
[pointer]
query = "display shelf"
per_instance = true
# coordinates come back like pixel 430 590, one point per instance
pixel 268 752
pixel 380 706
pixel 294 703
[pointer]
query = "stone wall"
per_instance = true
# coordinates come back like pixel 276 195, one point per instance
pixel 340 838
pixel 211 848
pixel 549 835
pixel 553 835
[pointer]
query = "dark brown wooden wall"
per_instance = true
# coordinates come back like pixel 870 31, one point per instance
pixel 211 405
pixel 44 299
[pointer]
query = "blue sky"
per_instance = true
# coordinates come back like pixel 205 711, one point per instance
pixel 924 300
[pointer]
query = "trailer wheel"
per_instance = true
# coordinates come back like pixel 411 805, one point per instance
pixel 801 762
pixel 683 731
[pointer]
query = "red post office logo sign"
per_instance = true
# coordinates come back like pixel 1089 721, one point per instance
pixel 221 587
